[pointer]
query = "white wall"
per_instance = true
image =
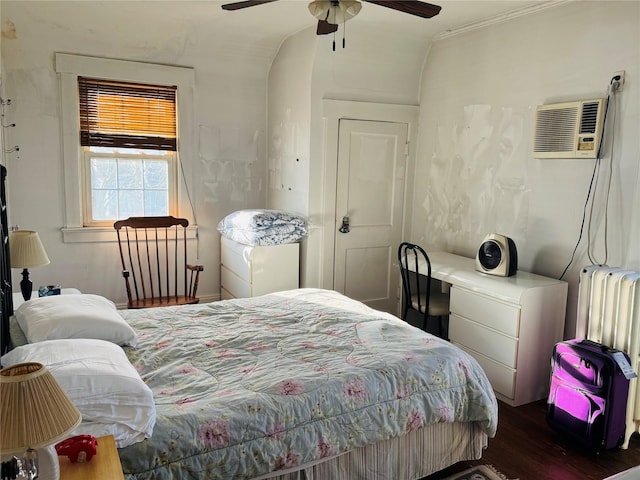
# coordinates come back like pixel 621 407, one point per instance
pixel 477 94
pixel 375 66
pixel 288 127
pixel 475 173
pixel 230 102
pixel 289 118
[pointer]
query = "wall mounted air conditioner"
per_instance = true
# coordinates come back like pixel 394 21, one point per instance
pixel 569 130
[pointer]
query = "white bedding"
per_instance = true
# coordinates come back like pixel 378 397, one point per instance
pixel 263 227
pixel 100 381
pixel 73 316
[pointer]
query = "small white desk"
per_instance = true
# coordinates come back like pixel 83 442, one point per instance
pixel 508 324
pixel 460 271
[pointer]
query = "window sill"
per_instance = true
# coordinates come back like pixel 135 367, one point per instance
pixel 105 234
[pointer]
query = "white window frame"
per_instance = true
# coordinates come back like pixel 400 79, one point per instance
pixel 69 68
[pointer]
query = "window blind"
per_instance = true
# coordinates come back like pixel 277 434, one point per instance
pixel 127 115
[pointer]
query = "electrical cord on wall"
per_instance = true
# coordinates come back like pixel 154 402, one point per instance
pixel 593 186
pixel 584 215
pixel 193 210
pixel 591 254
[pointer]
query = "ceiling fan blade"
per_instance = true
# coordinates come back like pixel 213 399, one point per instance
pixel 324 28
pixel 413 7
pixel 244 4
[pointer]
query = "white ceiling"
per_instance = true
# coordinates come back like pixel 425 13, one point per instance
pixel 170 27
pixel 273 22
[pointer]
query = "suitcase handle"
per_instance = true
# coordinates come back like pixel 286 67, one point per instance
pixel 591 343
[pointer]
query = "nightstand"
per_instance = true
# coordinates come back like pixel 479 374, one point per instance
pixel 105 464
pixel 19 300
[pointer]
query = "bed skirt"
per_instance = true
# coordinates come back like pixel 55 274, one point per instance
pixel 412 456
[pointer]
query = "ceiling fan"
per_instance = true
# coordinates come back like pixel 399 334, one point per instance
pixel 331 13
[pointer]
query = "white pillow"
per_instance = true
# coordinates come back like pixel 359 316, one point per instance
pixel 100 381
pixel 15 333
pixel 74 316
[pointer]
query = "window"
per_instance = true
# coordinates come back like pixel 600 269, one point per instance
pixel 122 183
pixel 103 180
pixel 128 135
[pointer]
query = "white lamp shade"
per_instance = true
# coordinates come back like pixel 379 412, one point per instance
pixel 332 13
pixel 26 250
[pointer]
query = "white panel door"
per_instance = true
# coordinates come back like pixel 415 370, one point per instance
pixel 370 193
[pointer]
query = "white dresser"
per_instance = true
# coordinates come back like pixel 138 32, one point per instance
pixel 508 324
pixel 249 271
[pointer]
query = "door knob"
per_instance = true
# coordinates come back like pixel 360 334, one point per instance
pixel 344 228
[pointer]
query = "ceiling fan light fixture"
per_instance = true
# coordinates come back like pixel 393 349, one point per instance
pixel 333 11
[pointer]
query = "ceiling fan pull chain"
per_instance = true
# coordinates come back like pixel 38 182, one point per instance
pixel 334 33
pixel 334 41
pixel 344 32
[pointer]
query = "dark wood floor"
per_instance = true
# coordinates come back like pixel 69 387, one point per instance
pixel 527 449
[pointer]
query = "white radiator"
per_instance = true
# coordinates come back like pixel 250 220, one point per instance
pixel 609 313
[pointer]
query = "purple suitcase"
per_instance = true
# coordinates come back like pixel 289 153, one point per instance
pixel 588 394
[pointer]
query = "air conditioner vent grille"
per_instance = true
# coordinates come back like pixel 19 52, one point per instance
pixel 556 130
pixel 568 130
pixel 588 123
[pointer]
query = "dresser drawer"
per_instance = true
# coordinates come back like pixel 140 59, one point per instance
pixel 483 340
pixel 225 294
pixel 236 257
pixel 233 284
pixel 502 379
pixel 487 311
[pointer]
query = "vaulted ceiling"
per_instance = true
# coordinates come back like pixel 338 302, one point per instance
pixel 255 32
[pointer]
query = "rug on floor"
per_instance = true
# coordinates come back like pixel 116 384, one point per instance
pixel 479 472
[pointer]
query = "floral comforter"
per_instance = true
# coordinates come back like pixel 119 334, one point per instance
pixel 251 386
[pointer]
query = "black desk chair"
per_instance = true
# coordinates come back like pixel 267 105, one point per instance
pixel 416 287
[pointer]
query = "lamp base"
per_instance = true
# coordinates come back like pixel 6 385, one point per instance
pixel 41 464
pixel 48 466
pixel 29 466
pixel 26 286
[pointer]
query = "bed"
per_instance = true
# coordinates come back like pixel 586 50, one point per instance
pixel 299 384
pixel 302 384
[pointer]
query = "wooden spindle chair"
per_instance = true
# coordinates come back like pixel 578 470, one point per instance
pixel 153 251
